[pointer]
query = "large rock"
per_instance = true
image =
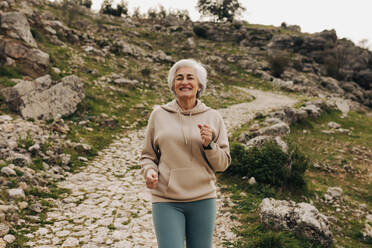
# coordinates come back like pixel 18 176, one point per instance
pixel 16 193
pixel 301 218
pixel 40 100
pixel 16 26
pixel 259 141
pixel 332 85
pixel 367 230
pixel 333 194
pixel 278 129
pixel 4 229
pixel 34 61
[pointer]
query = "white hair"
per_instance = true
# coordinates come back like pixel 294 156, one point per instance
pixel 201 74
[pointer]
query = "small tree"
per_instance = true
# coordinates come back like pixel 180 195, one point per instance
pixel 223 10
pixel 86 3
pixel 121 8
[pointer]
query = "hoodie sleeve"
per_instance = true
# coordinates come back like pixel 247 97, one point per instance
pixel 219 156
pixel 150 156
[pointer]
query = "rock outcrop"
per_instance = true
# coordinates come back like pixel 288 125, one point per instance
pixel 40 99
pixel 302 218
pixel 18 46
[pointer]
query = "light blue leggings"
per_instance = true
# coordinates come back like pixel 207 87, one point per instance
pixel 175 221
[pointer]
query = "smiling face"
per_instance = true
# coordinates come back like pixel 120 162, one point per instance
pixel 186 83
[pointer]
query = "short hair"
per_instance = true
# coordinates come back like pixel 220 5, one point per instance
pixel 201 74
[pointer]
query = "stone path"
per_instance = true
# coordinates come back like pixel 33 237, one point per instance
pixel 110 206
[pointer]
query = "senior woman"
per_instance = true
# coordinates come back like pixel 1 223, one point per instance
pixel 186 143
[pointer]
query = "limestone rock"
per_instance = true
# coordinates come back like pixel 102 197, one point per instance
pixel 367 230
pixel 70 242
pixel 16 194
pixel 332 85
pixel 4 5
pixel 34 61
pixel 312 110
pixel 278 129
pixel 126 82
pixel 333 125
pixel 259 141
pixel 16 26
pixel 4 229
pixel 333 194
pixel 2 243
pixel 8 171
pixel 20 159
pixel 9 238
pixel 301 218
pixel 40 100
pixel 252 181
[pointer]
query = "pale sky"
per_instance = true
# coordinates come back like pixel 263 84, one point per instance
pixel 350 19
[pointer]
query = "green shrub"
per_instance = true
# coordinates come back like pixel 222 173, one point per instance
pixel 201 31
pixel 26 142
pixel 270 165
pixel 278 62
pixel 11 72
pixel 121 8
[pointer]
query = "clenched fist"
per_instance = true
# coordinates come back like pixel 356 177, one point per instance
pixel 151 179
pixel 205 133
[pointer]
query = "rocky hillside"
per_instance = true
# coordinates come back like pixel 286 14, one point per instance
pixel 72 81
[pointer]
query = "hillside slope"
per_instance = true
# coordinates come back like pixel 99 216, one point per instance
pixel 72 82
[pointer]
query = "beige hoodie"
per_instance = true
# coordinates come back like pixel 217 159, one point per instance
pixel 173 147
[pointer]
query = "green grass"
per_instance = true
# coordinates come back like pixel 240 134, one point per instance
pixel 335 151
pixel 251 233
pixel 322 148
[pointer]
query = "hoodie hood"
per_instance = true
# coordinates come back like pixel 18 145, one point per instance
pixel 175 108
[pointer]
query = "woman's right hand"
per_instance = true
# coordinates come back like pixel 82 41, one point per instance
pixel 151 179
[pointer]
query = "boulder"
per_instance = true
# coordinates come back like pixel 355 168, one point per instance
pixel 160 56
pixel 16 194
pixel 259 141
pixel 254 37
pixel 281 83
pixel 20 159
pixel 16 26
pixel 123 47
pixel 4 5
pixel 312 110
pixel 333 125
pixel 301 218
pixel 278 129
pixel 34 61
pixel 367 230
pixel 40 100
pixel 333 194
pixel 4 229
pixel 8 171
pixel 281 42
pixel 252 181
pixel 332 85
pixel 126 82
pixel 9 238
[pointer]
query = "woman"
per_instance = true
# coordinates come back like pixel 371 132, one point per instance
pixel 186 143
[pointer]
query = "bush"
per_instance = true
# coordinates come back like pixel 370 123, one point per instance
pixel 121 8
pixel 201 31
pixel 278 62
pixel 86 3
pixel 270 165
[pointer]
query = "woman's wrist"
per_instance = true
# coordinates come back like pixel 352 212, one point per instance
pixel 209 146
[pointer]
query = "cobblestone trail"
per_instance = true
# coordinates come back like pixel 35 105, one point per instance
pixel 110 206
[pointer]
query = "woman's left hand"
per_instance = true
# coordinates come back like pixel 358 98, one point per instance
pixel 205 133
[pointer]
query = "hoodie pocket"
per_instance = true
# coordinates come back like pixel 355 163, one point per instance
pixel 189 183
